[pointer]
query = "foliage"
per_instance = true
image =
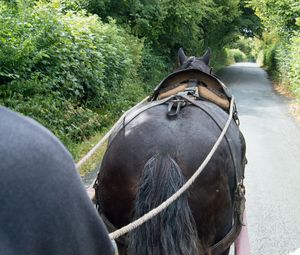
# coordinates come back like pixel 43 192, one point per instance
pixel 280 42
pixel 248 45
pixel 277 15
pixel 219 59
pixel 154 68
pixel 167 25
pixel 58 114
pixel 250 25
pixel 294 73
pixel 221 26
pixel 58 66
pixel 74 54
pixel 236 55
pixel 288 64
pixel 75 65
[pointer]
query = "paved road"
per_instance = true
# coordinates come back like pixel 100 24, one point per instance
pixel 273 151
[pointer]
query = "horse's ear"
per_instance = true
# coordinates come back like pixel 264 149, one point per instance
pixel 206 56
pixel 181 56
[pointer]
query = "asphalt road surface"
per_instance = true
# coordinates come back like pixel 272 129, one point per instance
pixel 273 151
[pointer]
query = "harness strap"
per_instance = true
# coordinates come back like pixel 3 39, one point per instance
pixel 111 228
pixel 216 249
pixel 126 119
pixel 134 113
pixel 207 107
pixel 226 242
pixel 239 201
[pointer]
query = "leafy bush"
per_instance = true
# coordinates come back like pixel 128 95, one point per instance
pixel 70 123
pixel 153 69
pixel 236 55
pixel 281 58
pixel 288 64
pixel 221 58
pixel 74 54
pixel 294 73
pixel 63 67
pixel 281 41
pixel 239 56
pixel 270 57
pixel 229 56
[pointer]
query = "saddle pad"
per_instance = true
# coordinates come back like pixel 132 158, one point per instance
pixel 204 92
pixel 178 77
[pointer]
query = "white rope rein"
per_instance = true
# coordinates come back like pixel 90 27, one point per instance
pixel 176 195
pixel 104 138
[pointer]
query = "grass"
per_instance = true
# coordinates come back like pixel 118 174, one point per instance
pixel 79 150
pixel 295 103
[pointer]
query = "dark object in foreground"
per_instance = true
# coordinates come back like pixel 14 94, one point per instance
pixel 44 208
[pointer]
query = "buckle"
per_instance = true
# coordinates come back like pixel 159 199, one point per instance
pixel 174 106
pixel 235 116
pixel 240 202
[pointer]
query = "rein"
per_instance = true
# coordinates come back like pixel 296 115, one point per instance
pixel 104 138
pixel 233 233
pixel 239 200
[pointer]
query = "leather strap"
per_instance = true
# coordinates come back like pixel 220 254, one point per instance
pixel 209 109
pixel 179 76
pixel 212 96
pixel 134 113
pixel 111 228
pixel 239 201
pixel 226 242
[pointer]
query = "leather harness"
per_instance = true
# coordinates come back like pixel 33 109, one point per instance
pixel 175 103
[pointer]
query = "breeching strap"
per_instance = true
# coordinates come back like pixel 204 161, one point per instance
pixel 170 200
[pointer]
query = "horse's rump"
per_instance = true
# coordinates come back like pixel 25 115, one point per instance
pixel 176 133
pixel 187 138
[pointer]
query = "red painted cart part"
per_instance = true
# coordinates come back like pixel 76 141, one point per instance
pixel 242 244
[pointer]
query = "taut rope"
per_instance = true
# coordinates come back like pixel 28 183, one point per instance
pixel 170 200
pixel 104 138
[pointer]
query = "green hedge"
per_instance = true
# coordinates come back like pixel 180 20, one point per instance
pixel 76 74
pixel 65 69
pixel 270 59
pixel 73 54
pixel 294 72
pixel 283 62
pixel 281 40
pixel 236 55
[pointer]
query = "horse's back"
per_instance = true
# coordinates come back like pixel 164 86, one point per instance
pixel 187 138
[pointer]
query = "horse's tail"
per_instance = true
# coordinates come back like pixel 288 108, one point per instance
pixel 173 231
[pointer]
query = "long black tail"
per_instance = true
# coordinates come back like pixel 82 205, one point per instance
pixel 173 231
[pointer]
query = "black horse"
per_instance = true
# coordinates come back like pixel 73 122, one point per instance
pixel 157 147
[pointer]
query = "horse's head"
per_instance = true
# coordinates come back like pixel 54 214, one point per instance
pixel 200 63
pixel 193 72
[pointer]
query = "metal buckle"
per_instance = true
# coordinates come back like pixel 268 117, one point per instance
pixel 174 106
pixel 240 201
pixel 235 116
pixel 191 91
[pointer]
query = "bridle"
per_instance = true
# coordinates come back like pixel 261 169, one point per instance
pixel 192 59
